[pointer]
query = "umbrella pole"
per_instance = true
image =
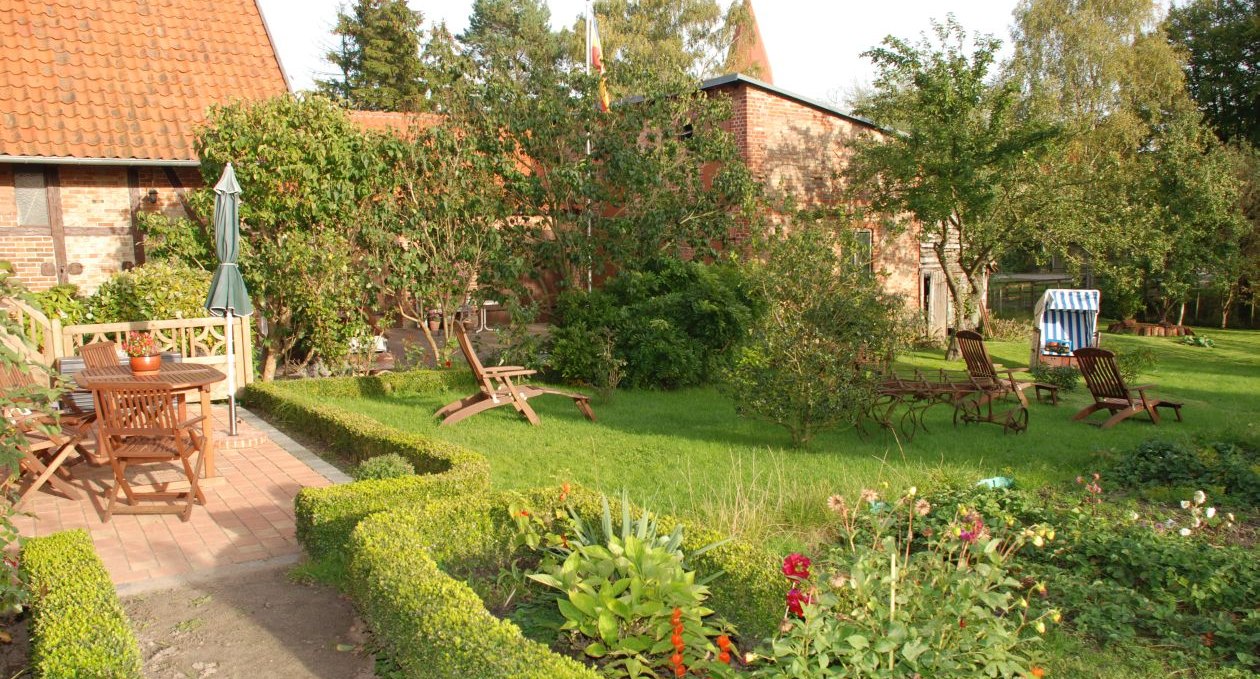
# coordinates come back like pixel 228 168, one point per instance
pixel 231 376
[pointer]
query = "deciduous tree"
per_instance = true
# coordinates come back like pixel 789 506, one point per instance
pixel 1222 41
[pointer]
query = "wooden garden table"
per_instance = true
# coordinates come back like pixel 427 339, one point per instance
pixel 183 378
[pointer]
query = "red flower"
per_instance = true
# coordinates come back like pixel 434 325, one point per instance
pixel 796 600
pixel 524 512
pixel 796 566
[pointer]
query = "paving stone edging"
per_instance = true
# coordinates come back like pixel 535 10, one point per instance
pixel 293 448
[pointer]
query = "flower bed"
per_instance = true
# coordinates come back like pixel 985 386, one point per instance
pixel 78 627
pixel 398 575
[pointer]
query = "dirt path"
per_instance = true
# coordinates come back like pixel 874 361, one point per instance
pixel 259 624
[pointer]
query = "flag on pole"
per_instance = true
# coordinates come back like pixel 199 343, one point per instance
pixel 596 60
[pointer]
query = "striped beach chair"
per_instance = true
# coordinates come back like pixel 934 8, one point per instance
pixel 1066 320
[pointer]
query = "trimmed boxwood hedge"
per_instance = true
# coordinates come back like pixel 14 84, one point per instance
pixel 325 516
pixel 78 627
pixel 399 536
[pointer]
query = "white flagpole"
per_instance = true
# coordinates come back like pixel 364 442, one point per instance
pixel 590 257
pixel 231 376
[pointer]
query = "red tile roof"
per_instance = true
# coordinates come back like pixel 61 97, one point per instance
pixel 126 79
pixel 393 121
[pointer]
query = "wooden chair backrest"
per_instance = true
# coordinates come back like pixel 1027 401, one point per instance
pixel 128 409
pixel 99 355
pixel 14 377
pixel 470 355
pixel 979 365
pixel 1101 373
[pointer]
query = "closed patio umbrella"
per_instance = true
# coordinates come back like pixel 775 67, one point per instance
pixel 228 296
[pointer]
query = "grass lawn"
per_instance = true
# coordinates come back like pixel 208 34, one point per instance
pixel 687 452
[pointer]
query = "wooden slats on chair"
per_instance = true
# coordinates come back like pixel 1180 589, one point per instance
pixel 497 386
pixel 99 355
pixel 140 425
pixel 1106 385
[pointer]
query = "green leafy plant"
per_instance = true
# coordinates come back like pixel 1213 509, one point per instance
pixel 1198 341
pixel 1064 377
pixel 388 466
pixel 882 607
pixel 1232 467
pixel 1135 363
pixel 802 366
pixel 61 302
pixel 665 324
pixel 628 598
pixel 157 290
pixel 1008 329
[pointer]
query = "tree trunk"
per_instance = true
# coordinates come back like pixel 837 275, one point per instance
pixel 1227 304
pixel 268 364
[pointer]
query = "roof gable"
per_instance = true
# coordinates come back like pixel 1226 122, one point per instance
pixel 126 79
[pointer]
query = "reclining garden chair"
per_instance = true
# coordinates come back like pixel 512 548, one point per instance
pixel 1107 386
pixel 498 387
pixel 998 380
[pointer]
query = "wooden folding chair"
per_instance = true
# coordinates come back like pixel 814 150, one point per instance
pixel 48 441
pixel 1110 393
pixel 99 355
pixel 497 387
pixel 140 425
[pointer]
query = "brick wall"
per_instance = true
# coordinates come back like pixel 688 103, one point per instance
pixel 96 219
pixel 797 151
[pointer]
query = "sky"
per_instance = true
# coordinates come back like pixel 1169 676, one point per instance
pixel 814 45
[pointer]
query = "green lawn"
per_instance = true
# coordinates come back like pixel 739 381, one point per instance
pixel 687 452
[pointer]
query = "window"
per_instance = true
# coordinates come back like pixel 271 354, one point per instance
pixel 32 197
pixel 863 252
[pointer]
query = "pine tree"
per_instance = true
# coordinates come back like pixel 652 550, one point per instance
pixel 379 57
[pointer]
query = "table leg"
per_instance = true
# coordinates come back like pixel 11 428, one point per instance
pixel 207 431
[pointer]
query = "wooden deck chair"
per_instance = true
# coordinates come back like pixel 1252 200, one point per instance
pixel 995 379
pixel 1110 393
pixel 48 441
pixel 140 425
pixel 71 417
pixel 498 386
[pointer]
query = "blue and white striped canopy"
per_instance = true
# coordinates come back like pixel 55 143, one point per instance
pixel 1068 315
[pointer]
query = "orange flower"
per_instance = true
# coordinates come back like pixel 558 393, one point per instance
pixel 680 671
pixel 724 642
pixel 724 657
pixel 524 512
pixel 677 640
pixel 676 617
pixel 676 658
pixel 564 491
pixel 1038 672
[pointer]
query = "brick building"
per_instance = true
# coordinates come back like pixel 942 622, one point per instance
pixel 99 101
pixel 797 147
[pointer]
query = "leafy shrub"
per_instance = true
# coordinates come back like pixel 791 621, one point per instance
pixel 1008 329
pixel 155 291
pixel 390 466
pixel 1064 377
pixel 951 608
pixel 803 364
pixel 628 599
pixel 1135 363
pixel 1198 341
pixel 61 302
pixel 672 324
pixel 1234 468
pixel 176 239
pixel 78 626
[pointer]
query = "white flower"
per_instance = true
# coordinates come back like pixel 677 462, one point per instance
pixel 1185 504
pixel 914 490
pixel 1230 516
pixel 1133 516
pixel 1199 497
pixel 1185 532
pixel 1197 522
pixel 1211 511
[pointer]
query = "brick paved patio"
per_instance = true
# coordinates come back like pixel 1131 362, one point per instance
pixel 248 516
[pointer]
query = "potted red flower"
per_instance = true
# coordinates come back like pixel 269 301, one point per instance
pixel 146 357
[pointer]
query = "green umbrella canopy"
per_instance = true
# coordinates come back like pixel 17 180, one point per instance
pixel 227 289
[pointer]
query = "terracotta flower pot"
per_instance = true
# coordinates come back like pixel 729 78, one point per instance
pixel 146 365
